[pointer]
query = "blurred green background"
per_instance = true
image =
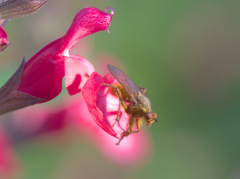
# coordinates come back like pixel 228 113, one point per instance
pixel 187 55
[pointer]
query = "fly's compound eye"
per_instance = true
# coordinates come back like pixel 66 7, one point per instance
pixel 148 115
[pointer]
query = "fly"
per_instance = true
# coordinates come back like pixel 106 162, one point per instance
pixel 139 107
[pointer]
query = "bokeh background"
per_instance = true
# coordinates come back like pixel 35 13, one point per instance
pixel 187 55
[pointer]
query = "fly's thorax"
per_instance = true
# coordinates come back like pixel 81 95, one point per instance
pixel 144 103
pixel 135 109
pixel 125 95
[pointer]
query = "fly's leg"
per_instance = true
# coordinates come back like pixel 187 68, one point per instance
pixel 130 131
pixel 120 102
pixel 143 90
pixel 124 134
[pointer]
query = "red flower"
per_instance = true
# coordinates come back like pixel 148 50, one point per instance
pixel 43 73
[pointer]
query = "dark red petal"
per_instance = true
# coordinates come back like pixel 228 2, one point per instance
pixel 43 73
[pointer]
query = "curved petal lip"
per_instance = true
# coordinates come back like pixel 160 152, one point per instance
pixel 103 106
pixel 77 72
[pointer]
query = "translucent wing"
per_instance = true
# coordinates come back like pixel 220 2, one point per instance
pixel 125 81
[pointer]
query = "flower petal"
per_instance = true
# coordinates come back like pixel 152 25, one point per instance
pixel 103 106
pixel 77 72
pixel 86 22
pixel 43 73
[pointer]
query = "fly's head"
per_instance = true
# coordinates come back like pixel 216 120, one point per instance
pixel 150 118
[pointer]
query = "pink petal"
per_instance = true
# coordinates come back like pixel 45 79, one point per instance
pixel 103 106
pixel 77 72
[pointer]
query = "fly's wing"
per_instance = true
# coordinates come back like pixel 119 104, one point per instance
pixel 125 81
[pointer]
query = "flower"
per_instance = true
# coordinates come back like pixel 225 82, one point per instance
pixel 3 39
pixel 43 73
